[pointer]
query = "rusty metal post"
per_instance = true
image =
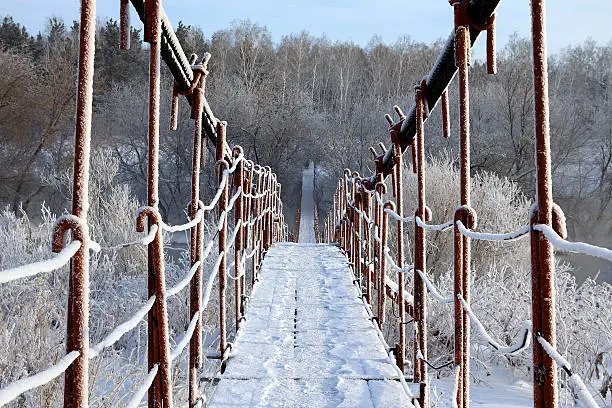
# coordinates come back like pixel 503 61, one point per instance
pixel 195 247
pixel 383 218
pixel 366 203
pixel 445 115
pixel 222 166
pixel 462 243
pixel 124 25
pixel 399 197
pixel 238 245
pixel 76 385
pixel 161 392
pixel 542 260
pixel 420 300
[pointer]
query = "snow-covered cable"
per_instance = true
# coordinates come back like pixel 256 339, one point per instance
pixel 211 281
pixel 59 260
pixel 15 389
pixel 232 200
pixel 186 337
pixel 235 163
pixel 521 345
pixel 433 290
pixel 186 226
pixel 578 247
pixel 146 240
pixel 485 236
pixel 221 220
pixel 394 287
pixel 184 282
pixel 393 265
pixel 122 329
pixel 433 227
pixel 215 199
pixel 144 387
pixel 583 395
pixel 398 217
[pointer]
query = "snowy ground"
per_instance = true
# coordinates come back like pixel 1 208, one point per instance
pixel 307 234
pixel 307 339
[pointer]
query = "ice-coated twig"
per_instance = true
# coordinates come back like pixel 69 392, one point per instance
pixel 433 227
pixel 583 396
pixel 59 260
pixel 186 226
pixel 184 282
pixel 144 387
pixel 522 232
pixel 512 349
pixel 578 247
pixel 433 290
pixel 186 337
pixel 15 389
pixel 122 329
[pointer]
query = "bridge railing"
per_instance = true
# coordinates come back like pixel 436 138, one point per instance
pixel 245 190
pixel 363 212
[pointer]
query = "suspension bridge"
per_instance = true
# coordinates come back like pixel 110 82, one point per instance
pixel 308 315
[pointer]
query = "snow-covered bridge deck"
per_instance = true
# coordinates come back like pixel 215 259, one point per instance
pixel 307 339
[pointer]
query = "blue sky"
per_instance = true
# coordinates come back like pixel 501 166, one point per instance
pixel 569 22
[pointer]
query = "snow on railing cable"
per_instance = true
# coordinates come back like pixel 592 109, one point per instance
pixel 211 282
pixel 146 240
pixel 235 163
pixel 184 282
pixel 393 265
pixel 583 396
pixel 433 290
pixel 486 236
pixel 122 329
pixel 186 338
pixel 394 287
pixel 577 247
pixel 177 228
pixel 232 200
pixel 512 349
pixel 433 227
pixel 215 199
pixel 16 388
pixel 59 260
pixel 398 217
pixel 144 387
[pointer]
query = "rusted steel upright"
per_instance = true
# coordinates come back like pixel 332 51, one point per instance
pixel 76 385
pixel 366 205
pixel 399 198
pixel 238 245
pixel 464 213
pixel 195 246
pixel 222 166
pixel 420 300
pixel 162 387
pixel 542 258
pixel 124 25
pixel 383 219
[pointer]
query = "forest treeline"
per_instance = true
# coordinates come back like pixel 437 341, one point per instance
pixel 302 98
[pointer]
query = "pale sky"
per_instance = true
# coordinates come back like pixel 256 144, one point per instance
pixel 569 21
